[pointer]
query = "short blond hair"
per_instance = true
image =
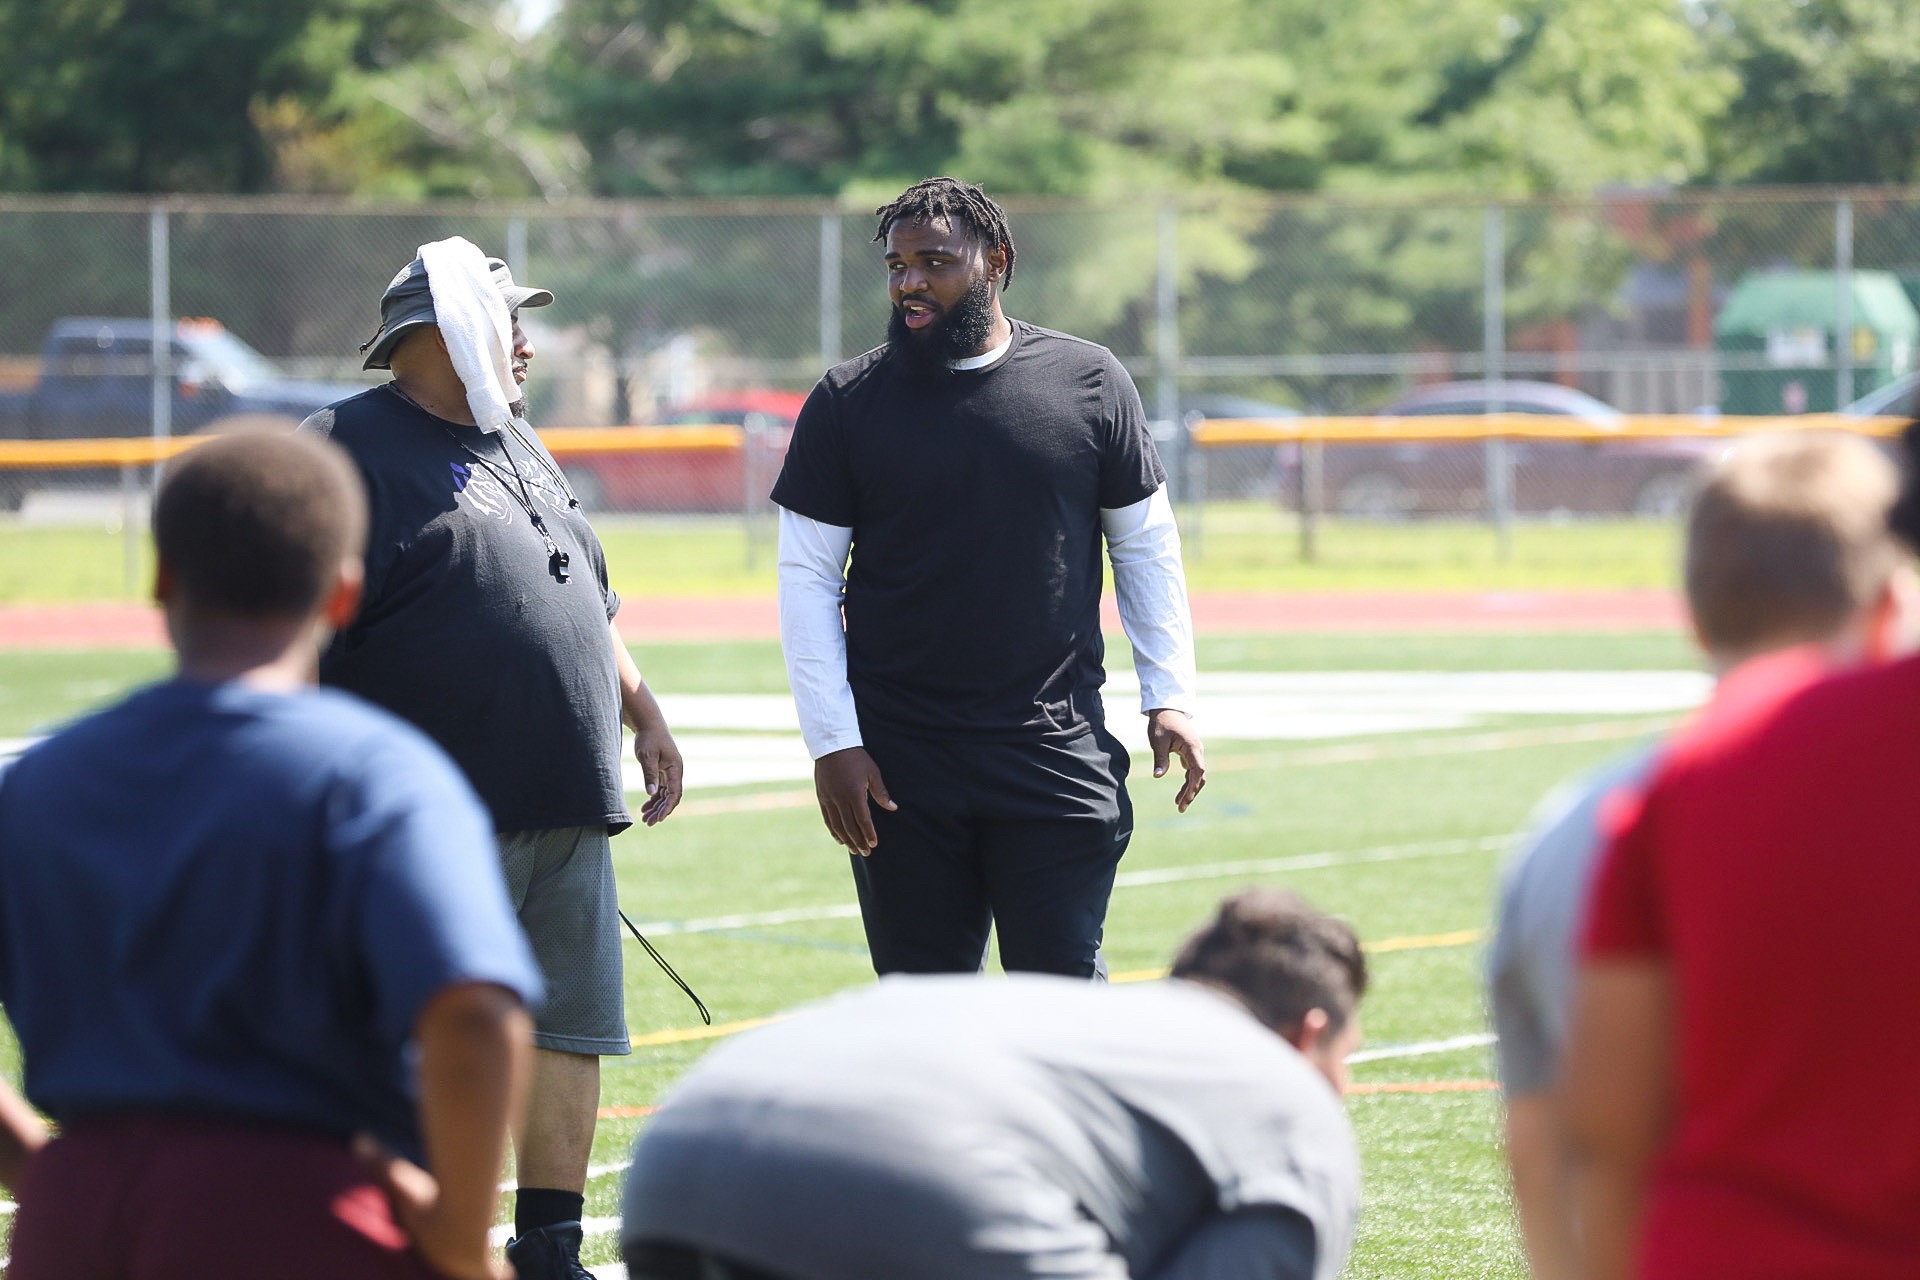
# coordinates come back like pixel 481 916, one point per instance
pixel 1788 540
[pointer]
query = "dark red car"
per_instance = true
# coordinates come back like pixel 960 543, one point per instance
pixel 727 471
pixel 1629 476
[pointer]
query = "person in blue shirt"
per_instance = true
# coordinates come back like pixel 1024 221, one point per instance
pixel 254 937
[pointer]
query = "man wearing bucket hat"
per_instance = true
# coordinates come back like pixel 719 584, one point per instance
pixel 488 623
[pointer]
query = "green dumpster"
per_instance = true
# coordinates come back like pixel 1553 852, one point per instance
pixel 1777 336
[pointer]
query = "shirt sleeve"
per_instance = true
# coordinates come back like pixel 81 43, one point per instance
pixel 815 479
pixel 434 911
pixel 1150 587
pixel 813 562
pixel 1129 464
pixel 1625 917
pixel 1523 1050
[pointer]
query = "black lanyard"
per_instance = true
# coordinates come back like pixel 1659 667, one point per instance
pixel 557 559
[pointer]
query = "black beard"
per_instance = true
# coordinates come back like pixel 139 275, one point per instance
pixel 953 335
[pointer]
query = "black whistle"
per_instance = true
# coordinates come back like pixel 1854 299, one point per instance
pixel 557 565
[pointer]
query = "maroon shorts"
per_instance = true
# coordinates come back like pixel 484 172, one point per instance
pixel 166 1198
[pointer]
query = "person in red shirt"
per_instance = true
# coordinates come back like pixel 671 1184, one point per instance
pixel 1739 1081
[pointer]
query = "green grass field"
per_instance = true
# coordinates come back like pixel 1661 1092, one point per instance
pixel 1230 547
pixel 1402 834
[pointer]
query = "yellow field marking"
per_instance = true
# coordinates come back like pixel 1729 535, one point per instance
pixel 681 1035
pixel 1427 941
pixel 684 1035
pixel 1416 942
pixel 1388 1086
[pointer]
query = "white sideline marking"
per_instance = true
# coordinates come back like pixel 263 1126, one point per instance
pixel 1310 861
pixel 1125 880
pixel 740 739
pixel 751 739
pixel 1423 1047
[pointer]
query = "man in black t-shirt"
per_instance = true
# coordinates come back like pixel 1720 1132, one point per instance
pixel 971 468
pixel 487 622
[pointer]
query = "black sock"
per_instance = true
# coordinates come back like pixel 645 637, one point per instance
pixel 537 1207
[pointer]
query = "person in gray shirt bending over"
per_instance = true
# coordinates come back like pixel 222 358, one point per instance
pixel 1787 544
pixel 970 1128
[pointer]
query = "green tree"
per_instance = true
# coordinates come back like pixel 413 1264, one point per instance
pixel 1826 90
pixel 449 107
pixel 1506 97
pixel 179 95
pixel 376 97
pixel 1079 97
pixel 125 95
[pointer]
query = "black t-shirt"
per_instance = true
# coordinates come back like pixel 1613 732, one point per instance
pixel 973 592
pixel 464 629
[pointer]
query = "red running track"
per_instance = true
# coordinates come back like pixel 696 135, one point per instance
pixel 87 626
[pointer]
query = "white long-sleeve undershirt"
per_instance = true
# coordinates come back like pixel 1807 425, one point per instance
pixel 1143 545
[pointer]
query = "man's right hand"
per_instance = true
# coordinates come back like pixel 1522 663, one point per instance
pixel 417 1206
pixel 844 780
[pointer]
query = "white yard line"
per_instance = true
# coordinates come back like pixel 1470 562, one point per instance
pixel 1422 1048
pixel 1125 880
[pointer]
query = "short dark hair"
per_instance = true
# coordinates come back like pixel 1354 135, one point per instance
pixel 1280 956
pixel 257 524
pixel 961 204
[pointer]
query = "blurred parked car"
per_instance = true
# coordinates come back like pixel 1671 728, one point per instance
pixel 696 478
pixel 95 380
pixel 1638 476
pixel 1238 471
pixel 1898 399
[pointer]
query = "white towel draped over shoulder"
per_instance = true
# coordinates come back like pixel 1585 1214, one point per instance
pixel 473 319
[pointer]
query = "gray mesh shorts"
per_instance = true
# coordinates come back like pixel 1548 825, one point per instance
pixel 561 884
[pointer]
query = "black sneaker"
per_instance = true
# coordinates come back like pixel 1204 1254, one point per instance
pixel 551 1253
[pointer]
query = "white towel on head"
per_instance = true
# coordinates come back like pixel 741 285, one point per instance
pixel 473 319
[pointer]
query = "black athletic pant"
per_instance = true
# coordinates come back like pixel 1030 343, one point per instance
pixel 1018 837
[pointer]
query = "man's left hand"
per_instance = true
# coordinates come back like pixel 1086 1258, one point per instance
pixel 1170 733
pixel 660 766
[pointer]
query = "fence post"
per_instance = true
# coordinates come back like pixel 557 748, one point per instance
pixel 160 354
pixel 1842 303
pixel 829 290
pixel 517 247
pixel 161 312
pixel 1497 451
pixel 749 488
pixel 1166 363
pixel 1312 484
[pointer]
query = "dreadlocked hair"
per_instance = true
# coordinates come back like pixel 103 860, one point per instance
pixel 956 202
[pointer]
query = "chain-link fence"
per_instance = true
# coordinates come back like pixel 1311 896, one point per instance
pixel 1749 303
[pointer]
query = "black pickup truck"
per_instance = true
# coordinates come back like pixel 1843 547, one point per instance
pixel 96 380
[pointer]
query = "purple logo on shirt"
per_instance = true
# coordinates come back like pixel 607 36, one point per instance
pixel 461 474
